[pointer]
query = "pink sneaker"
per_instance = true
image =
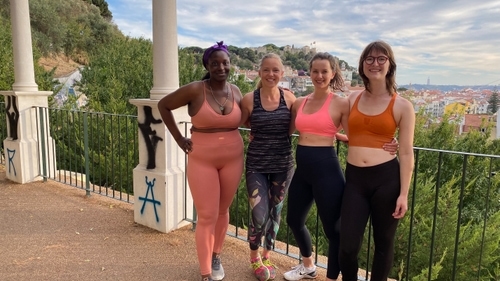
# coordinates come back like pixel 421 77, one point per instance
pixel 260 270
pixel 271 267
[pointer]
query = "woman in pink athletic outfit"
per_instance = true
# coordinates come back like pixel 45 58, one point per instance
pixel 215 151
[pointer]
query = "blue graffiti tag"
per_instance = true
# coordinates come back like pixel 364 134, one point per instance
pixel 150 185
pixel 10 156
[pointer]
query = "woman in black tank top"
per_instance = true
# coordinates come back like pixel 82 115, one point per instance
pixel 269 160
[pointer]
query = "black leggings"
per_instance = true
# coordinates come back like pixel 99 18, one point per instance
pixel 318 178
pixel 266 193
pixel 369 191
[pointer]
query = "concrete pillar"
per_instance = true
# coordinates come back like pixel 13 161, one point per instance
pixel 159 178
pixel 23 52
pixel 165 49
pixel 29 149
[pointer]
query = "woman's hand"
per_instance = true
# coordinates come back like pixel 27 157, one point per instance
pixel 342 137
pixel 185 144
pixel 401 207
pixel 392 147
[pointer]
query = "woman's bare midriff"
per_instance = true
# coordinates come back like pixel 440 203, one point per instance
pixel 212 130
pixel 367 156
pixel 315 140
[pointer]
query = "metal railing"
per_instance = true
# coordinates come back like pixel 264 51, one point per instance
pixel 94 151
pixel 3 129
pixel 451 230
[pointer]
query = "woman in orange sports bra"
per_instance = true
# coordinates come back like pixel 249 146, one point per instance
pixel 377 182
pixel 215 151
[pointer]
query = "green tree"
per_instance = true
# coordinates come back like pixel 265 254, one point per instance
pixel 103 8
pixel 190 66
pixel 271 48
pixel 43 78
pixel 493 102
pixel 6 56
pixel 245 86
pixel 121 71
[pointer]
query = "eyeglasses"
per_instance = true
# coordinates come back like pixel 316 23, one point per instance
pixel 380 60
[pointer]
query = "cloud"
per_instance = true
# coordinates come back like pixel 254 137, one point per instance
pixel 448 41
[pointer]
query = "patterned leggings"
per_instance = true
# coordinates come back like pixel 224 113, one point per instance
pixel 266 193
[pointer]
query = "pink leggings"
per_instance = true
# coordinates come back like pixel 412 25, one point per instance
pixel 215 167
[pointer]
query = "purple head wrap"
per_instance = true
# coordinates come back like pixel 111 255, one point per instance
pixel 218 47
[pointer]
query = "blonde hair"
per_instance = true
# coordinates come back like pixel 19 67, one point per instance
pixel 269 56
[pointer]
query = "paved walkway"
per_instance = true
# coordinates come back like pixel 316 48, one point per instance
pixel 51 231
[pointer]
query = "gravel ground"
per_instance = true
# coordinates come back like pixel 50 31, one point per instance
pixel 51 231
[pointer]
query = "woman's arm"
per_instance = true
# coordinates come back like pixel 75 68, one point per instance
pixel 293 110
pixel 406 127
pixel 181 97
pixel 246 109
pixel 344 109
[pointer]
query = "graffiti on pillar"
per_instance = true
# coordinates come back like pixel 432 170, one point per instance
pixel 10 158
pixel 152 200
pixel 150 137
pixel 12 116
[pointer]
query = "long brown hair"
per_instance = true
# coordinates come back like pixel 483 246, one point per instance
pixel 390 78
pixel 337 82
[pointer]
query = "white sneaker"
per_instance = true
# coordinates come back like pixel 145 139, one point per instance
pixel 217 269
pixel 300 272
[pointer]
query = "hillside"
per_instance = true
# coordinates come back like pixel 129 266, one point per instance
pixel 62 63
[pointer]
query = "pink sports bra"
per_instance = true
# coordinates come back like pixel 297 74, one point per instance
pixel 207 118
pixel 318 123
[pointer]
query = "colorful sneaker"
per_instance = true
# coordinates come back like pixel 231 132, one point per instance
pixel 217 269
pixel 259 269
pixel 271 267
pixel 301 272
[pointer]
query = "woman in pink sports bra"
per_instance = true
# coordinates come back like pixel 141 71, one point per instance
pixel 318 177
pixel 215 151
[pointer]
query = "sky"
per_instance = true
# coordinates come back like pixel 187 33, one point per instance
pixel 448 42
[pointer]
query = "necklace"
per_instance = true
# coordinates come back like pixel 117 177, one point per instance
pixel 221 105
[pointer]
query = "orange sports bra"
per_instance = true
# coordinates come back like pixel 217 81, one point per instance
pixel 317 123
pixel 207 118
pixel 371 130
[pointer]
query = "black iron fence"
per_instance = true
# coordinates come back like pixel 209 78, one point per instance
pixel 3 130
pixel 94 151
pixel 451 231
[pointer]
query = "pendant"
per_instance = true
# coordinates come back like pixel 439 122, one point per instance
pixel 221 108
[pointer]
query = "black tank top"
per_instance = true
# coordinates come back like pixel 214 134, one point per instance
pixel 270 151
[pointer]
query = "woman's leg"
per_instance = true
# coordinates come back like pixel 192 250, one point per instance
pixel 328 189
pixel 258 199
pixel 230 177
pixel 206 197
pixel 300 200
pixel 383 204
pixel 278 189
pixel 354 216
pixel 219 158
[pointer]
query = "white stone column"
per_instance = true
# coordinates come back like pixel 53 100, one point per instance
pixel 29 149
pixel 23 52
pixel 165 49
pixel 160 187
